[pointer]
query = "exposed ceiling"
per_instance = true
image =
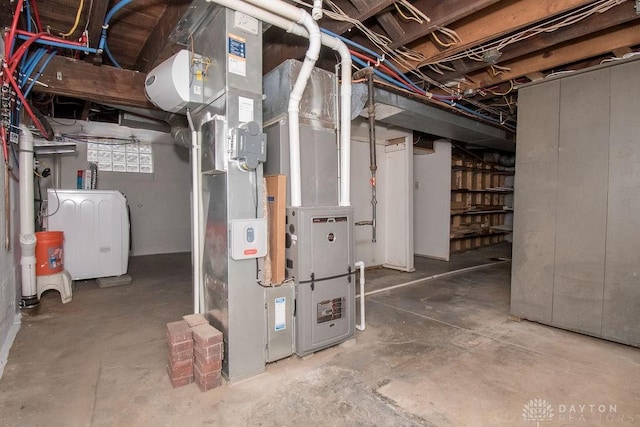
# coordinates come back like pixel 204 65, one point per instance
pixel 479 50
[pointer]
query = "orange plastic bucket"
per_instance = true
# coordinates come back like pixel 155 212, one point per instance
pixel 49 255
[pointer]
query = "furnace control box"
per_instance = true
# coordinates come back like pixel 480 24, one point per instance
pixel 248 238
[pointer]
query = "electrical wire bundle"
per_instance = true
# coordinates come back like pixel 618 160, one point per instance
pixel 388 73
pixel 25 49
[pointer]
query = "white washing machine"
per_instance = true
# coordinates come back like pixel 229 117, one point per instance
pixel 96 231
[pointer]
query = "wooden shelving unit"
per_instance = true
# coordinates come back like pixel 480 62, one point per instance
pixel 479 205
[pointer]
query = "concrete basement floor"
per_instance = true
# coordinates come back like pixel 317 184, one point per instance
pixel 440 352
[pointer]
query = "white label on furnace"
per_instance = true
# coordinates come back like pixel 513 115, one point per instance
pixel 245 109
pixel 237 54
pixel 281 314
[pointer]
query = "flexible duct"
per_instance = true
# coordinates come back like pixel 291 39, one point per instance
pixel 27 227
pixel 345 77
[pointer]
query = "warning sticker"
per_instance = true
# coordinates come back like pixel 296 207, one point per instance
pixel 280 314
pixel 237 54
pixel 245 109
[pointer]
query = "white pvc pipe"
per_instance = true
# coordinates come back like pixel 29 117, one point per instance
pixel 316 12
pixel 361 326
pixel 301 17
pixel 27 227
pixel 345 76
pixel 196 216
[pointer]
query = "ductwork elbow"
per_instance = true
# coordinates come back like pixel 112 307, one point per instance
pixel 180 131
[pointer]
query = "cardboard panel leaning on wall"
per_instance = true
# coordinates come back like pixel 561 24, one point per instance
pixel 159 202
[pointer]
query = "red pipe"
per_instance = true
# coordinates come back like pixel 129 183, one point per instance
pixel 34 9
pixel 49 37
pixel 14 25
pixel 5 150
pixel 387 70
pixel 27 107
pixel 15 59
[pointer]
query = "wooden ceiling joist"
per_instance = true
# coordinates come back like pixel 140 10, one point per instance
pixel 441 13
pixel 618 15
pixel 497 20
pixel 546 59
pixel 158 40
pixel 363 10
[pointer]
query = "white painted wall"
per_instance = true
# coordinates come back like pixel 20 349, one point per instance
pixel 398 161
pixel 159 202
pixel 10 291
pixel 432 201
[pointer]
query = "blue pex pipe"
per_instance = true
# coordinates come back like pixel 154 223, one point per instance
pixel 107 19
pixel 110 56
pixel 381 75
pixel 37 76
pixel 370 52
pixel 60 44
pixel 29 65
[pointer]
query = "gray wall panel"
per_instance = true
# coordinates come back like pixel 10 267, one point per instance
pixel 621 311
pixel 582 202
pixel 535 203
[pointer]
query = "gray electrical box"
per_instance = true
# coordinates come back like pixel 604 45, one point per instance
pixel 279 302
pixel 319 256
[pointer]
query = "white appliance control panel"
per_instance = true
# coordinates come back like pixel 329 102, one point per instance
pixel 248 238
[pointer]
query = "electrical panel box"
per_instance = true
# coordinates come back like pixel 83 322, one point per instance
pixel 248 238
pixel 279 301
pixel 320 257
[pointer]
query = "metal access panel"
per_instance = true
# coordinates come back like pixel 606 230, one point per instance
pixel 320 252
pixel 318 161
pixel 279 302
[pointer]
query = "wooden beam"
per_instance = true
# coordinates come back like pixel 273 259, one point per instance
pixel 373 7
pixel 391 25
pixel 615 16
pixel 359 4
pixel 96 18
pixel 441 13
pixel 627 35
pixel 158 40
pixel 497 20
pixel 280 45
pixel 104 84
pixel 7 8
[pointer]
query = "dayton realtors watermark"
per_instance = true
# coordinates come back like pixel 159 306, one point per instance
pixel 541 411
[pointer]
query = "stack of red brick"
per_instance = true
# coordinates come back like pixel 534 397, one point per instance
pixel 180 367
pixel 195 350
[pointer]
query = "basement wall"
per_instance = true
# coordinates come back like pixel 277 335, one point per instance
pixel 10 291
pixel 159 202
